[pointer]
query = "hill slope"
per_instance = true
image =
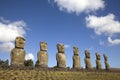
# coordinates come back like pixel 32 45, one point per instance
pixel 51 74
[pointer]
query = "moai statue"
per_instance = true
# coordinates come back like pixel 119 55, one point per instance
pixel 107 66
pixel 60 56
pixel 42 55
pixel 87 60
pixel 18 53
pixel 98 62
pixel 76 58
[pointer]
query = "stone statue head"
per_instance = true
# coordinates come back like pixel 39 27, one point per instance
pixel 75 50
pixel 97 56
pixel 105 57
pixel 87 54
pixel 43 46
pixel 60 48
pixel 19 42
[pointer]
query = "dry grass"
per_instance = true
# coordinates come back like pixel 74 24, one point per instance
pixel 36 74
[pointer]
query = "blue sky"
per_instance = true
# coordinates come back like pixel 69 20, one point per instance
pixel 93 25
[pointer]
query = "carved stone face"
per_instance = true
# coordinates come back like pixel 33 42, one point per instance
pixel 105 57
pixel 43 46
pixel 60 48
pixel 19 42
pixel 97 56
pixel 75 50
pixel 87 54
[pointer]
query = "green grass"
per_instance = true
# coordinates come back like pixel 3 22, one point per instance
pixel 35 74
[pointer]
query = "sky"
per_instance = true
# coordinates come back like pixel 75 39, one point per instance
pixel 92 25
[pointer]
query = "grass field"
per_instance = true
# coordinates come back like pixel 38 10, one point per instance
pixel 51 74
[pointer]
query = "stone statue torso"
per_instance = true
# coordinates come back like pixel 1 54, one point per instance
pixel 60 56
pixel 43 58
pixel 18 56
pixel 42 55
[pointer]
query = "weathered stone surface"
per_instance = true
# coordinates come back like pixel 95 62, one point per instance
pixel 88 63
pixel 18 53
pixel 19 42
pixel 87 60
pixel 107 66
pixel 17 57
pixel 87 54
pixel 105 57
pixel 43 46
pixel 60 56
pixel 60 48
pixel 42 55
pixel 76 58
pixel 98 62
pixel 42 59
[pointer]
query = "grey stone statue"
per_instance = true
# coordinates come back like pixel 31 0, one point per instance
pixel 42 55
pixel 60 56
pixel 107 66
pixel 98 62
pixel 76 58
pixel 18 53
pixel 87 60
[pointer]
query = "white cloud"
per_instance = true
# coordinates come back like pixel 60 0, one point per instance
pixel 9 31
pixel 6 47
pixel 4 20
pixel 29 56
pixel 113 42
pixel 78 6
pixel 67 46
pixel 106 25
